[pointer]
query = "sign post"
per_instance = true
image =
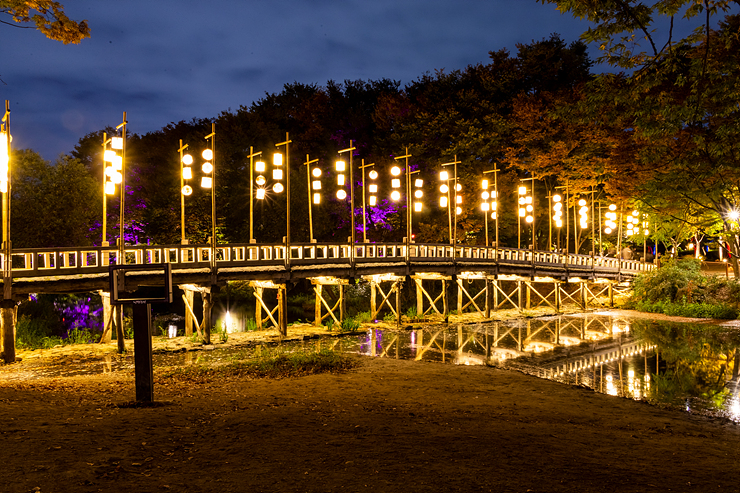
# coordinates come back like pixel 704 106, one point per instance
pixel 140 286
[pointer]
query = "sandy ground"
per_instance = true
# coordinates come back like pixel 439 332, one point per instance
pixel 387 425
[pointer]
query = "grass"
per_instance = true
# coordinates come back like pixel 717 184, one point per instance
pixel 268 363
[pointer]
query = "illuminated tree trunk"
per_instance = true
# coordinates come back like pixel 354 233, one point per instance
pixel 207 306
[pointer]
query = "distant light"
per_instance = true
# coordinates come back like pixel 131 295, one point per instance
pixel 582 202
pixel 277 174
pixel 316 172
pixel 418 194
pixel 635 213
pixel 317 198
pixel 395 171
pixel 116 177
pixel 443 201
pixel 396 183
pixel 458 187
pixel 485 207
pixel 608 231
pixel 340 180
pixel 458 211
pixel 316 184
pixel 612 207
pixel 417 206
pixel 260 193
pixel 529 219
pixel 116 143
pixel 444 189
pixel 372 188
pixel 110 188
pixel 187 173
pixel 522 190
pixel 277 188
pixel 108 155
pixel 206 182
pixel 186 190
pixel 493 215
pixel 187 159
pixel 484 184
pixel 207 154
pixel 458 199
pixel 207 167
pixel 260 180
pixel 418 183
pixel 341 194
pixel 444 176
pixel 260 166
pixel 556 198
pixel 341 166
pixel 396 195
pixel 485 195
pixel 277 159
pixel 373 200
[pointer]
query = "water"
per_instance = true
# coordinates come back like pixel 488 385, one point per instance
pixel 687 366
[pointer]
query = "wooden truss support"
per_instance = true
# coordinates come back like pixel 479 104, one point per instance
pixel 107 317
pixel 318 288
pixel 281 324
pixel 463 293
pixel 579 298
pixel 421 293
pixel 204 329
pixel 532 288
pixel 376 286
pixel 497 289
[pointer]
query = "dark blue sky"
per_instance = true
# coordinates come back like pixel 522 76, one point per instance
pixel 164 61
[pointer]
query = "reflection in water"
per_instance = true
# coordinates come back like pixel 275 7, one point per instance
pixel 680 364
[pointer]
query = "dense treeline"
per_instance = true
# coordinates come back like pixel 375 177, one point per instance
pixel 470 114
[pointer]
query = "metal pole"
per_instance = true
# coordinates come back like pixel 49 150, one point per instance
pixel 310 206
pixel 454 246
pixel 287 190
pixel 352 201
pixel 364 214
pixel 212 136
pixel 593 233
pixel 183 241
pixel 103 241
pixel 121 213
pixel 252 155
pixel 7 248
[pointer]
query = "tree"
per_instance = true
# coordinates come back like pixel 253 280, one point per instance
pixel 679 102
pixel 63 197
pixel 49 18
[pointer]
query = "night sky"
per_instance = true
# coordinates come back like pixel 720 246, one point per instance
pixel 164 61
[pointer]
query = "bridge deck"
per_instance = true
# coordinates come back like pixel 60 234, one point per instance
pixel 86 268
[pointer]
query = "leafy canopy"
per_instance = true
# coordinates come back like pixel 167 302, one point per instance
pixel 48 17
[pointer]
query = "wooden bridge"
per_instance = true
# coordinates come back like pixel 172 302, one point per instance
pixel 511 276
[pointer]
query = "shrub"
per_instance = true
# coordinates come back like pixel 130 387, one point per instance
pixel 349 325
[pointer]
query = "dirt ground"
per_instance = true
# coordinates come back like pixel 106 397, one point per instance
pixel 388 425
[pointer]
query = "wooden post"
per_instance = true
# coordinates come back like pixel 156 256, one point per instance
pixel 519 294
pixel 488 300
pixel 445 302
pixel 317 309
pixel 419 299
pixel 341 302
pixel 373 299
pixel 584 302
pixel 258 292
pixel 7 323
pixel 107 316
pixel 495 285
pixel 459 296
pixel 207 322
pixel 611 295
pixel 119 330
pixel 188 316
pixel 557 296
pixel 282 310
pixel 396 286
pixel 529 296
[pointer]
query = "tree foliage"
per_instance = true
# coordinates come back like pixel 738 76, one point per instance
pixel 46 16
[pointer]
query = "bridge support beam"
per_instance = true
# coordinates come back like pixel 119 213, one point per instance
pixel 107 317
pixel 376 286
pixel 281 324
pixel 204 329
pixel 465 299
pixel 321 302
pixel 422 293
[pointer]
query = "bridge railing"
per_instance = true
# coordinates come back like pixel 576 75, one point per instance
pixel 40 262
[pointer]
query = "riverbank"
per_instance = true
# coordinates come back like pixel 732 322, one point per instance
pixel 387 425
